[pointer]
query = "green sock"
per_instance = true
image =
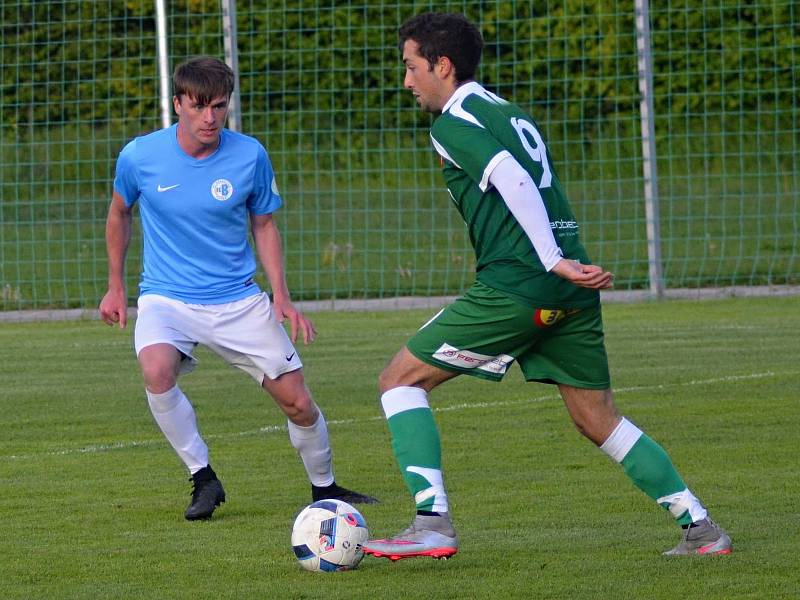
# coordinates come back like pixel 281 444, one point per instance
pixel 652 471
pixel 416 445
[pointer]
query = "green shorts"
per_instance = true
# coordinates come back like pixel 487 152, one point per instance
pixel 484 332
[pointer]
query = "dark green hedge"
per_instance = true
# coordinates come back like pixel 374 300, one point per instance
pixel 94 61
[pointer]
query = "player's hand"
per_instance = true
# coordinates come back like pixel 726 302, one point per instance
pixel 114 307
pixel 588 276
pixel 298 322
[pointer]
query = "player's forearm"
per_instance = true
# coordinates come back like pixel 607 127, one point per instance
pixel 118 237
pixel 525 202
pixel 270 252
pixel 273 265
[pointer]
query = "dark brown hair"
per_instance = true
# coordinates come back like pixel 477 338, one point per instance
pixel 445 34
pixel 202 78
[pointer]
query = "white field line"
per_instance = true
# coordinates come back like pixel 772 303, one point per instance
pixel 345 422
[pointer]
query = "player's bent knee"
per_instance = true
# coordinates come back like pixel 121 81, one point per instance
pixel 595 430
pixel 159 375
pixel 581 429
pixel 295 402
pixel 387 381
pixel 158 380
pixel 403 370
pixel 159 364
pixel 303 413
pixel 389 375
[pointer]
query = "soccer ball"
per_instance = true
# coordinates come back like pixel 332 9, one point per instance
pixel 328 535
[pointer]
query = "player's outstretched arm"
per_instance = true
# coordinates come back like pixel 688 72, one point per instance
pixel 114 305
pixel 267 240
pixel 588 276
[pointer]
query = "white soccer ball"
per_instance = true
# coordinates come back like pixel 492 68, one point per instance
pixel 329 535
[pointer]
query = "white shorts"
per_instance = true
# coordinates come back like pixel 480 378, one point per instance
pixel 245 333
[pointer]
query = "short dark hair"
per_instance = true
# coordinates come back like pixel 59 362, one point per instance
pixel 203 78
pixel 445 34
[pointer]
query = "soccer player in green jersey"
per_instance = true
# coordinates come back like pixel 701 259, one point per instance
pixel 535 300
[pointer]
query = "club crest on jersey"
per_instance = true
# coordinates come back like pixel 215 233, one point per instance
pixel 222 190
pixel 546 317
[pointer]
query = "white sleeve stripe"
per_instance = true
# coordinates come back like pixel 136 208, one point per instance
pixel 487 172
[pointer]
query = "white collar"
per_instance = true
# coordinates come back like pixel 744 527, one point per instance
pixel 462 91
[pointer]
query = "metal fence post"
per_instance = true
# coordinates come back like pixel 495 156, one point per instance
pixel 650 173
pixel 232 60
pixel 163 65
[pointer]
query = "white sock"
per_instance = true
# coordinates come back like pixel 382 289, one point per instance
pixel 315 449
pixel 175 417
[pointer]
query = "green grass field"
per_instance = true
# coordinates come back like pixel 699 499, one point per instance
pixel 92 496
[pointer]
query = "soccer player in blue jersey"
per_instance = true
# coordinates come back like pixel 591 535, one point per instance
pixel 199 188
pixel 535 300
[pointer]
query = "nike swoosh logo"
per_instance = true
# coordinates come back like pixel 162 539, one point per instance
pixel 160 188
pixel 289 358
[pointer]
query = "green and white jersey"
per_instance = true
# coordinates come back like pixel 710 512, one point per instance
pixel 475 131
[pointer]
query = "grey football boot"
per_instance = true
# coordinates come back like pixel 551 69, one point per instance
pixel 706 537
pixel 429 535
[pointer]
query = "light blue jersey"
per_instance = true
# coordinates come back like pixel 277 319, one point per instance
pixel 195 213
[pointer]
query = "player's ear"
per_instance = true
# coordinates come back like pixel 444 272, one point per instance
pixel 445 67
pixel 176 104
